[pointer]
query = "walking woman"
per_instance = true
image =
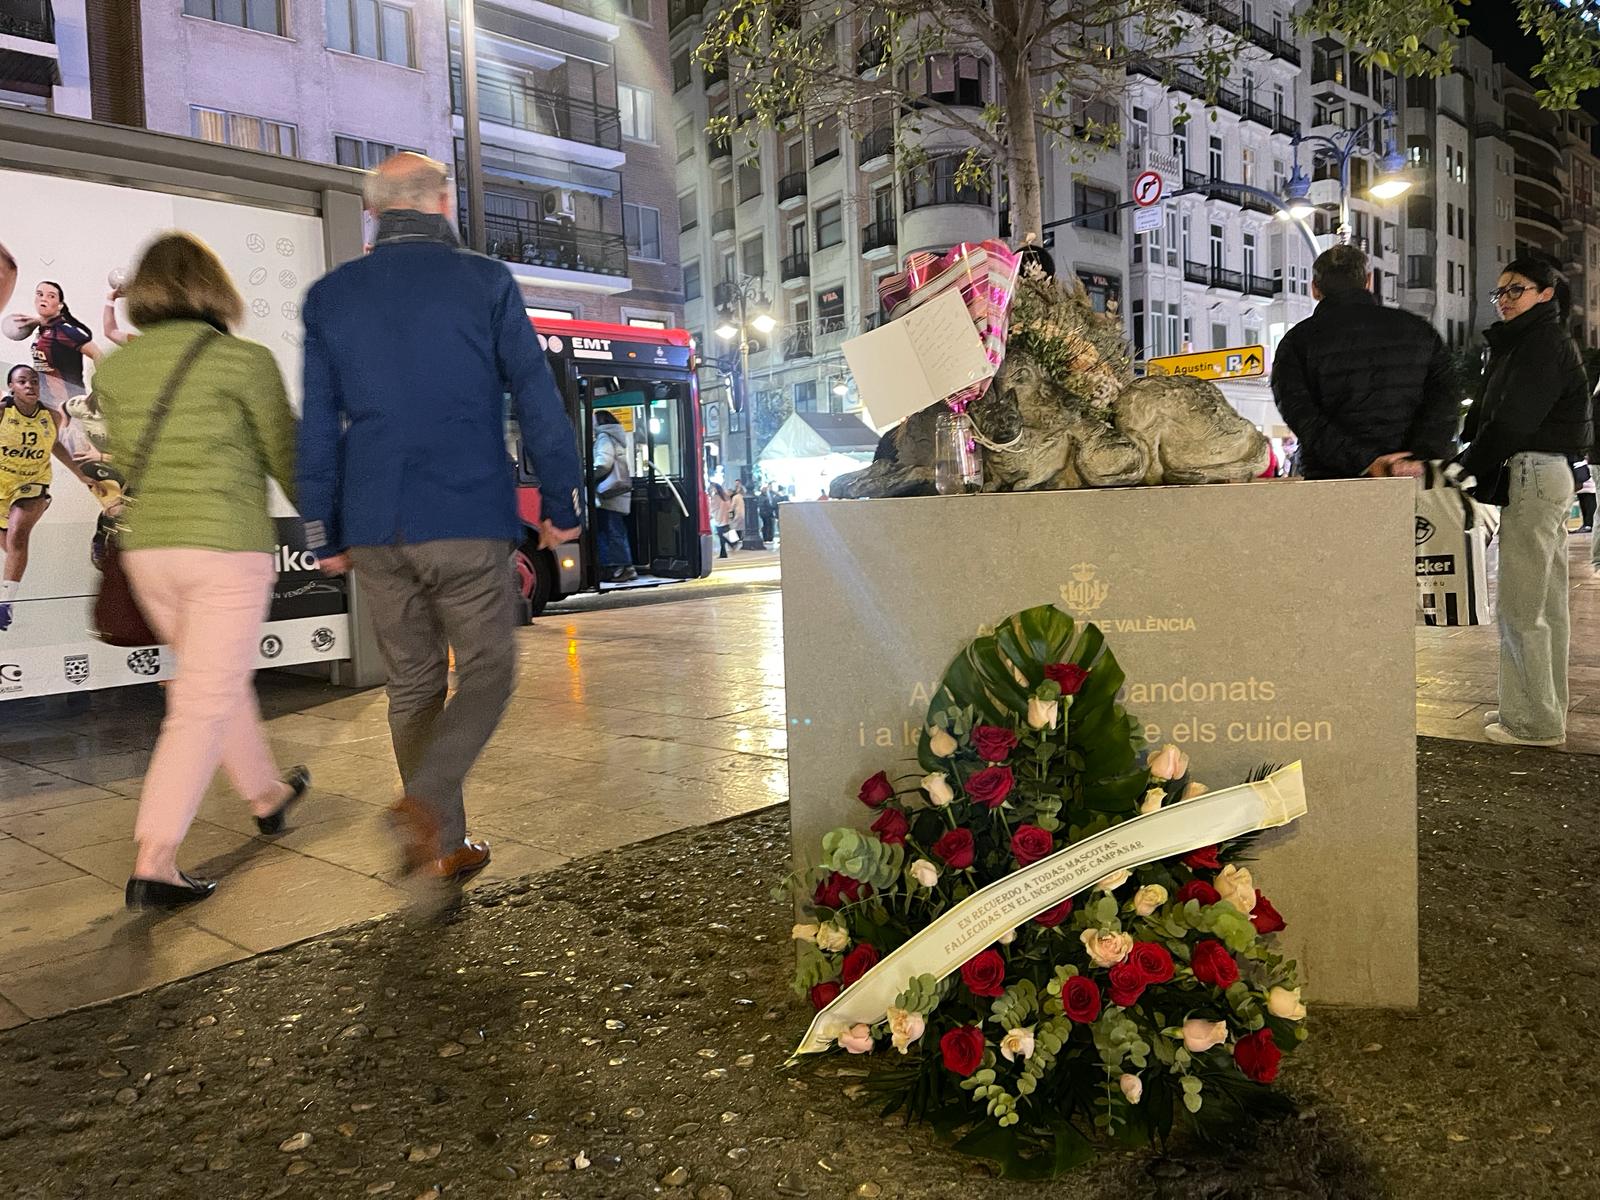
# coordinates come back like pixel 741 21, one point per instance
pixel 721 508
pixel 1531 421
pixel 199 419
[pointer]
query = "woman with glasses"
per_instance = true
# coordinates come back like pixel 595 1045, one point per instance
pixel 1532 420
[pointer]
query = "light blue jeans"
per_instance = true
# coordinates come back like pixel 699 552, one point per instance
pixel 1534 625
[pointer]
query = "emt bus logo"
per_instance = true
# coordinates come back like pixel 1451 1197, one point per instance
pixel 145 662
pixel 76 668
pixel 1086 592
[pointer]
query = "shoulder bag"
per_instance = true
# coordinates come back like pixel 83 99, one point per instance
pixel 118 620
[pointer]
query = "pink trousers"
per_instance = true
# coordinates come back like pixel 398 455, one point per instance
pixel 208 606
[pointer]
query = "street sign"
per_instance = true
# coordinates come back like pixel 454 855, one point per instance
pixel 1236 362
pixel 1146 220
pixel 1148 189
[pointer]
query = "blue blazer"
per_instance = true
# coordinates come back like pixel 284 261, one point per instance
pixel 410 353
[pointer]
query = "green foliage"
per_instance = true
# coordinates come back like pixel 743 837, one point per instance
pixel 922 994
pixel 1016 1006
pixel 1117 1038
pixel 862 856
pixel 812 968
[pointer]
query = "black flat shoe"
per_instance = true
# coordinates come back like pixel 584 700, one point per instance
pixel 152 893
pixel 299 781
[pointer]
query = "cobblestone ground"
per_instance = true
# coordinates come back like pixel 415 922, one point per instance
pixel 616 1029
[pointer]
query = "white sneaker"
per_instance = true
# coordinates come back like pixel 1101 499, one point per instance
pixel 1492 717
pixel 1499 733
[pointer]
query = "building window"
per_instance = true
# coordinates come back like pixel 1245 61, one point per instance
pixel 357 152
pixel 685 134
pixel 805 395
pixel 1137 321
pixel 691 281
pixel 246 132
pixel 681 75
pixel 1105 291
pixel 638 10
pixel 825 141
pixel 551 314
pixel 749 179
pixel 830 311
pixel 647 322
pixel 641 229
pixel 754 257
pixel 637 107
pixel 1219 336
pixel 371 29
pixel 1088 199
pixel 264 16
pixel 1215 161
pixel 830 225
pixel 688 211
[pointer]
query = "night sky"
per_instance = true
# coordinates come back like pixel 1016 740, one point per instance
pixel 1495 22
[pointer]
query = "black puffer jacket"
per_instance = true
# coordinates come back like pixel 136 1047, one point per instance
pixel 1356 381
pixel 1535 397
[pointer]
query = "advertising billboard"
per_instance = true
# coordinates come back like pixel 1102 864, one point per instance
pixel 74 241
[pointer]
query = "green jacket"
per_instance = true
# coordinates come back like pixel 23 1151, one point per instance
pixel 204 485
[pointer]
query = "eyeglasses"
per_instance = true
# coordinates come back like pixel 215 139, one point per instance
pixel 1511 292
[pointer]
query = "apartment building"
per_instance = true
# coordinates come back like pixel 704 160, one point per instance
pixel 44 56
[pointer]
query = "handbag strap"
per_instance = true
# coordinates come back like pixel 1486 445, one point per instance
pixel 162 406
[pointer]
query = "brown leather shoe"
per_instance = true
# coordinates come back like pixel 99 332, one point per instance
pixel 418 832
pixel 469 858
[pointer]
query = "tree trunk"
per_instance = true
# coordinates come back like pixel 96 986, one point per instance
pixel 1022 166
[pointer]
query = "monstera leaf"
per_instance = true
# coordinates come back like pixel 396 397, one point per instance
pixel 995 675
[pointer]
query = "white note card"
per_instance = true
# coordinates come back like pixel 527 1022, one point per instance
pixel 932 352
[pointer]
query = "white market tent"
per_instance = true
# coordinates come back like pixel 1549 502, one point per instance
pixel 811 448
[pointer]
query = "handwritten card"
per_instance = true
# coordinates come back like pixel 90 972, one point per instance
pixel 930 353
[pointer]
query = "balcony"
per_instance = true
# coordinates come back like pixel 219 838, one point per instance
pixel 1541 216
pixel 1420 275
pixel 1527 170
pixel 557 249
pixel 795 269
pixel 1261 285
pixel 1259 113
pixel 718 148
pixel 1229 99
pixel 792 190
pixel 1194 272
pixel 725 296
pixel 722 223
pixel 923 192
pixel 681 12
pixel 869 57
pixel 1285 124
pixel 876 148
pixel 515 103
pixel 1258 204
pixel 797 343
pixel 878 239
pixel 1232 281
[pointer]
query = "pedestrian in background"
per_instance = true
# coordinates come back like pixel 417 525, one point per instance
pixel 721 508
pixel 200 420
pixel 767 509
pixel 613 494
pixel 1523 432
pixel 409 355
pixel 736 510
pixel 1368 390
pixel 1583 477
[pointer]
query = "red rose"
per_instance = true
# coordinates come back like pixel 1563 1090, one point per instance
pixel 824 994
pixel 1068 676
pixel 891 827
pixel 993 743
pixel 1213 964
pixel 1051 917
pixel 837 889
pixel 1030 843
pixel 1198 889
pixel 1203 859
pixel 985 975
pixel 1152 960
pixel 990 786
pixel 1258 1056
pixel 1264 917
pixel 962 1049
pixel 954 849
pixel 857 963
pixel 875 792
pixel 1127 984
pixel 1080 999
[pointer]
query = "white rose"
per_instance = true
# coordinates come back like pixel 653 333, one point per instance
pixel 1199 1036
pixel 1235 886
pixel 1195 789
pixel 1008 937
pixel 804 933
pixel 1043 714
pixel 940 743
pixel 925 873
pixel 1281 1002
pixel 857 1039
pixel 1152 801
pixel 1114 880
pixel 832 938
pixel 1106 949
pixel 938 789
pixel 1017 1043
pixel 1169 763
pixel 1149 898
pixel 1132 1087
pixel 905 1027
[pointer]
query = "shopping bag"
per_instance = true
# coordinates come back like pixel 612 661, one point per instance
pixel 1452 549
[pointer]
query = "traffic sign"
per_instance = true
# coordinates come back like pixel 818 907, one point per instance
pixel 1146 220
pixel 1236 362
pixel 1148 189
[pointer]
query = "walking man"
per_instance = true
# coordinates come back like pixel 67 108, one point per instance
pixel 1368 390
pixel 409 355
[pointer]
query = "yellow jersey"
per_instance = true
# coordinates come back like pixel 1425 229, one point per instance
pixel 25 446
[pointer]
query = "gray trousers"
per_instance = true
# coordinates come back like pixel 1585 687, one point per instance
pixel 1534 622
pixel 427 599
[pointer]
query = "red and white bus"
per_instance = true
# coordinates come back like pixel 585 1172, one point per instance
pixel 646 378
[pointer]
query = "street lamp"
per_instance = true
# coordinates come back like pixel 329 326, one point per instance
pixel 1392 180
pixel 745 309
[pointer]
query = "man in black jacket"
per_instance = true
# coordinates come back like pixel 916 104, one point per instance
pixel 1368 390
